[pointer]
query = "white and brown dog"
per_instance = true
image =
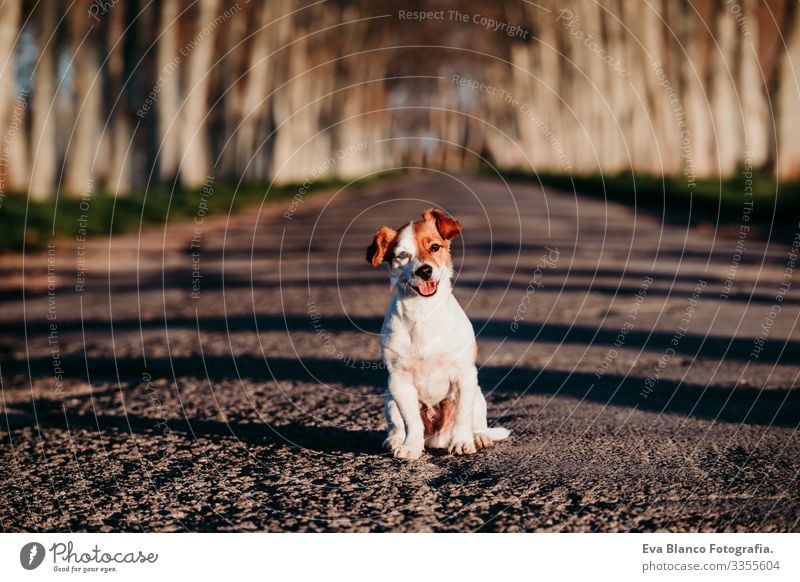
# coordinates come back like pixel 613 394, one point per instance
pixel 428 345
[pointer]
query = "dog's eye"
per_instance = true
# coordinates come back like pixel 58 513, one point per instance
pixel 402 256
pixel 435 247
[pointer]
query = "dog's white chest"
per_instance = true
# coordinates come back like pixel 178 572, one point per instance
pixel 432 345
pixel 434 378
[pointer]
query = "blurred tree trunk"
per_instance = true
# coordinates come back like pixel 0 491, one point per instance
pixel 262 73
pixel 377 155
pixel 657 57
pixel 788 105
pixel 774 25
pixel 196 165
pixel 142 65
pixel 546 102
pixel 168 66
pixel 726 104
pixel 523 83
pixel 579 91
pixel 634 115
pixel 753 87
pixel 119 123
pixel 232 74
pixel 358 108
pixel 293 124
pixel 85 140
pixel 614 101
pixel 43 134
pixel 618 83
pixel 696 139
pixel 13 104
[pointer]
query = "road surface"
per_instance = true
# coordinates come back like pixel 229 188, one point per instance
pixel 224 374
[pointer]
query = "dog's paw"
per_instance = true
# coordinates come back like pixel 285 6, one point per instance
pixel 462 448
pixel 483 441
pixel 393 442
pixel 407 453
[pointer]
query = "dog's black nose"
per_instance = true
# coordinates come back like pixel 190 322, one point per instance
pixel 424 272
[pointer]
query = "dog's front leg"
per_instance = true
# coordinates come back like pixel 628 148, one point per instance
pixel 396 426
pixel 462 441
pixel 404 394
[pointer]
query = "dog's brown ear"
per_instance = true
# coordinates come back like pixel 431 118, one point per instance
pixel 376 252
pixel 448 227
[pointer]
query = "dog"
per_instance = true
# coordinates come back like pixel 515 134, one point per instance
pixel 428 345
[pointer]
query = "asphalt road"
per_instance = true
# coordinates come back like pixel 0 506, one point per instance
pixel 618 348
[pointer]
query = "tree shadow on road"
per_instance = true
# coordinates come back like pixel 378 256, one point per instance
pixel 739 404
pixel 628 284
pixel 777 350
pixel 324 439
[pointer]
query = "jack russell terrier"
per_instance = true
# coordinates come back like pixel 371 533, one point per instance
pixel 428 345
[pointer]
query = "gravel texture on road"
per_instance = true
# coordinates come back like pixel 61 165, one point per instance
pixel 224 375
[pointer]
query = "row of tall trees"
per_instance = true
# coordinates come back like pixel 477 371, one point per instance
pixel 124 94
pixel 703 87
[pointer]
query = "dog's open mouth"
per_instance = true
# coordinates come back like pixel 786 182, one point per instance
pixel 426 288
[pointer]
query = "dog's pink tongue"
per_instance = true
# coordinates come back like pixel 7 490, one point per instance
pixel 427 288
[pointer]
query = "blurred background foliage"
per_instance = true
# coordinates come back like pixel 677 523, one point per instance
pixel 135 104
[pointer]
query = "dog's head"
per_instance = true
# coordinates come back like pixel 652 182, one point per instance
pixel 418 254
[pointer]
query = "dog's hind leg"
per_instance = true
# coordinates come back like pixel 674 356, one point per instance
pixel 397 429
pixel 462 441
pixel 485 436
